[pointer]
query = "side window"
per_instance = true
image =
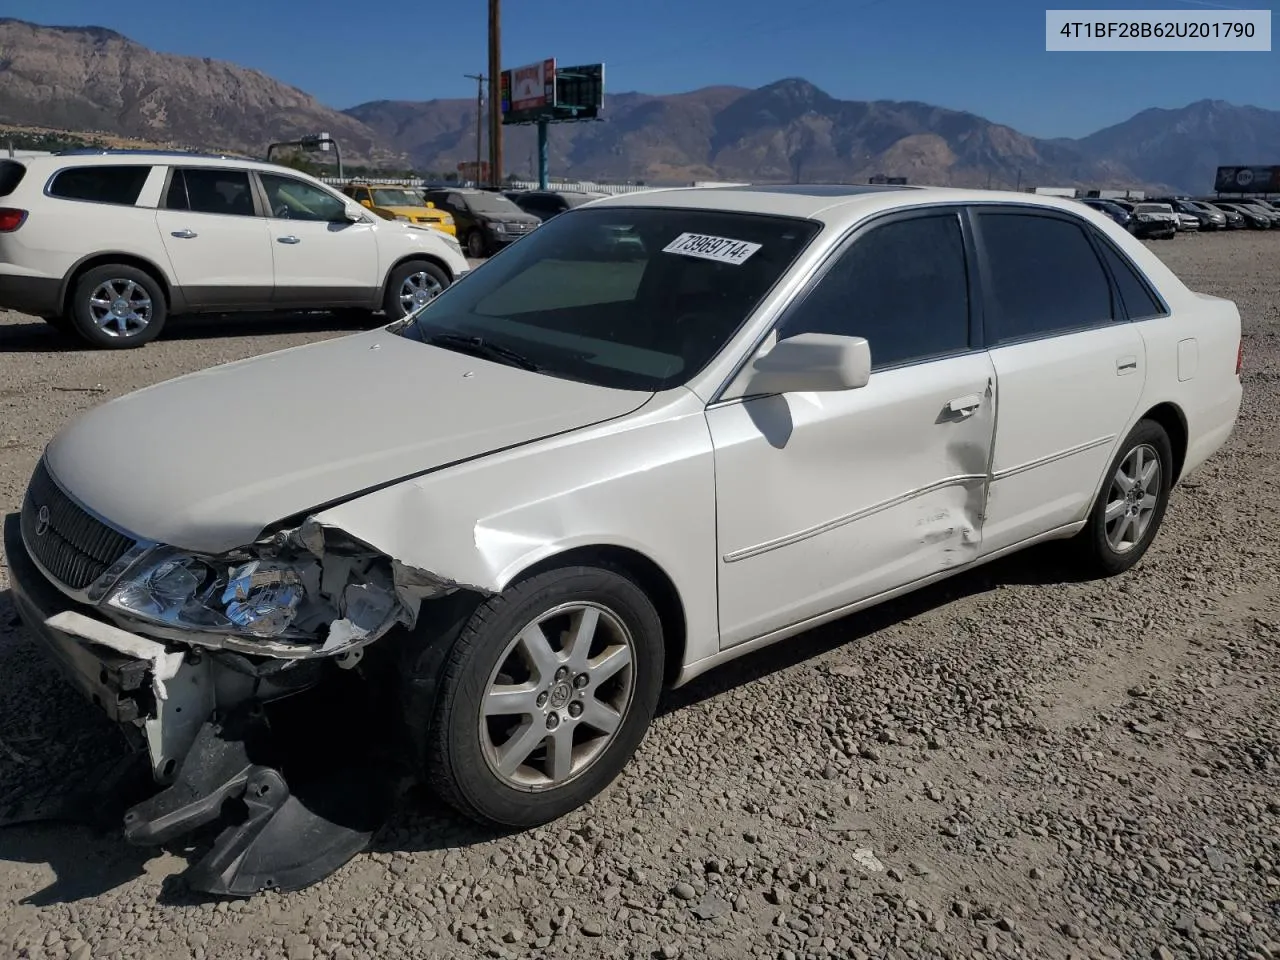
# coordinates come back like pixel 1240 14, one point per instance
pixel 1044 278
pixel 1139 302
pixel 209 190
pixel 455 203
pixel 291 199
pixel 100 184
pixel 902 285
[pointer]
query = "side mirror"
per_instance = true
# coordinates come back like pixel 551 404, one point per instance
pixel 353 213
pixel 812 362
pixel 431 204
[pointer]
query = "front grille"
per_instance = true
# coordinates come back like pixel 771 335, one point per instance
pixel 73 546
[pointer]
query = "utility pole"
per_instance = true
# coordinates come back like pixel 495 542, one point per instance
pixel 479 78
pixel 495 94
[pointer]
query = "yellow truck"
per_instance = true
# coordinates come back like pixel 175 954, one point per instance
pixel 400 203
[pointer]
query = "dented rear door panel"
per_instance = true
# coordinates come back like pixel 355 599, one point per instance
pixel 825 499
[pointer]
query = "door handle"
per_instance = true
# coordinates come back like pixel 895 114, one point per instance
pixel 965 405
pixel 183 234
pixel 1126 365
pixel 289 239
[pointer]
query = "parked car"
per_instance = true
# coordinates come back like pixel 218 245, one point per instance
pixel 545 204
pixel 1155 221
pixel 487 220
pixel 400 203
pixel 576 478
pixel 1206 217
pixel 110 244
pixel 1253 219
pixel 1262 209
pixel 1235 219
pixel 1116 212
pixel 1187 223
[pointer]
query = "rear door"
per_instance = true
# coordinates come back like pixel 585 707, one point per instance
pixel 322 259
pixel 1069 368
pixel 215 235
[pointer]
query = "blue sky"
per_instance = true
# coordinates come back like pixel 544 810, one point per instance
pixel 985 56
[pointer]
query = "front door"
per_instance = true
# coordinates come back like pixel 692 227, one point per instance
pixel 825 499
pixel 216 239
pixel 1069 366
pixel 322 259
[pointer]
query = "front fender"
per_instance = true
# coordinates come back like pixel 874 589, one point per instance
pixel 645 483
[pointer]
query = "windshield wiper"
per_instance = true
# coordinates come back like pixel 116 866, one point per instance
pixel 480 347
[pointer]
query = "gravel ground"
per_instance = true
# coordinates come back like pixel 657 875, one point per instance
pixel 1009 764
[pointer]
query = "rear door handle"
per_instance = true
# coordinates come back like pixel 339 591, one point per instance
pixel 1126 365
pixel 289 239
pixel 965 405
pixel 183 234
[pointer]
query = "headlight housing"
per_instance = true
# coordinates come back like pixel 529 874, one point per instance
pixel 271 591
pixel 401 216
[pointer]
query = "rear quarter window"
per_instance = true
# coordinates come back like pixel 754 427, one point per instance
pixel 1135 294
pixel 101 184
pixel 11 174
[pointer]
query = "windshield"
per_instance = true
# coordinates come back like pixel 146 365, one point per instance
pixel 397 198
pixel 1153 208
pixel 604 296
pixel 494 203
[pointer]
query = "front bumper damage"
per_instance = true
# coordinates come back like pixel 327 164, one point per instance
pixel 274 750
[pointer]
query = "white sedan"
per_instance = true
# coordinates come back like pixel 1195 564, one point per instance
pixel 664 430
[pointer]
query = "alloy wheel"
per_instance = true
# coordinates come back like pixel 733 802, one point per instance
pixel 1132 498
pixel 558 696
pixel 120 308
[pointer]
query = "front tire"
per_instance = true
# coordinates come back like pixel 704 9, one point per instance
pixel 544 696
pixel 410 285
pixel 1132 503
pixel 117 307
pixel 476 247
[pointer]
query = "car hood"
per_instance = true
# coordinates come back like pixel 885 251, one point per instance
pixel 509 217
pixel 415 212
pixel 206 461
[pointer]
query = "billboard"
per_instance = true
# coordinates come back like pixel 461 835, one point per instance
pixel 580 91
pixel 541 92
pixel 529 88
pixel 1247 180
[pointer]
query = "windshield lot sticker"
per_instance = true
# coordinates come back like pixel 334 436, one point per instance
pixel 719 249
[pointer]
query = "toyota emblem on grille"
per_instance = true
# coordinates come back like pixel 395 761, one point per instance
pixel 42 521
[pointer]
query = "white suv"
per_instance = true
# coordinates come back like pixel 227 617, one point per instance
pixel 109 244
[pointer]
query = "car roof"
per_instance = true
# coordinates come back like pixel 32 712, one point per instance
pixel 97 157
pixel 830 204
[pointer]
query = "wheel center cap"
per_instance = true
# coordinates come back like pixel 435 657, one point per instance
pixel 119 307
pixel 560 695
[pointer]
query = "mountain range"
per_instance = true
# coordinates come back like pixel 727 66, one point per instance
pixel 90 79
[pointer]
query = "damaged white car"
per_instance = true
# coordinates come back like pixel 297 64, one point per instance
pixel 664 430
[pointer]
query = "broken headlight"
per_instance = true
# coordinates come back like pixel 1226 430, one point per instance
pixel 262 597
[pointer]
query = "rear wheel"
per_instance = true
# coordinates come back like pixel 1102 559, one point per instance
pixel 116 306
pixel 544 696
pixel 1131 506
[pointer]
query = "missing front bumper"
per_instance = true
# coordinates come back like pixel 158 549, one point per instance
pixel 295 803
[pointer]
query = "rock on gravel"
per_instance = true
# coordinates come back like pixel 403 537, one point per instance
pixel 1012 763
